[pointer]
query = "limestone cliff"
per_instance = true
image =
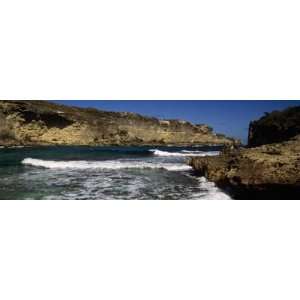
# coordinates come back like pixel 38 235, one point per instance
pixel 43 122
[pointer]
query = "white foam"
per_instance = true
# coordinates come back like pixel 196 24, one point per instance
pixel 213 192
pixel 108 164
pixel 184 153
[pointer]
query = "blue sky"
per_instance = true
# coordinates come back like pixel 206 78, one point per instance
pixel 229 117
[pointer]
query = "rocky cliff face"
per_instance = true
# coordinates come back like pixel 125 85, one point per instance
pixel 269 171
pixel 275 127
pixel 42 122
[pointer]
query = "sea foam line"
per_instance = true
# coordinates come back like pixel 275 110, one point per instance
pixel 184 153
pixel 108 164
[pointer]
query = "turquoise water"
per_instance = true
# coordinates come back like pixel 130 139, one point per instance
pixel 103 173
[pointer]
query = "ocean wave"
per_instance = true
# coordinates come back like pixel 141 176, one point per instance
pixel 136 187
pixel 108 164
pixel 184 153
pixel 212 192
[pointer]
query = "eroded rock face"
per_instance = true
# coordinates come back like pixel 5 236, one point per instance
pixel 266 172
pixel 275 127
pixel 42 122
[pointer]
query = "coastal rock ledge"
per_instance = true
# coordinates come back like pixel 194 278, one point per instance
pixel 269 171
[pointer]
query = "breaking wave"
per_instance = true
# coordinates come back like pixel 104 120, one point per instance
pixel 108 164
pixel 212 192
pixel 184 153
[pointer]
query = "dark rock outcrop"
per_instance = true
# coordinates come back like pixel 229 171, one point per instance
pixel 43 122
pixel 274 127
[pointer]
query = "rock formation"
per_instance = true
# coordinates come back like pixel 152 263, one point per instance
pixel 275 127
pixel 269 171
pixel 46 123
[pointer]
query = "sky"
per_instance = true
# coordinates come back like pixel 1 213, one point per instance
pixel 228 117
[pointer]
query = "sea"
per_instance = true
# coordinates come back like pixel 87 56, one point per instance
pixel 104 173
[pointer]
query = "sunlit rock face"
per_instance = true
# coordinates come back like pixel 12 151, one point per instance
pixel 42 122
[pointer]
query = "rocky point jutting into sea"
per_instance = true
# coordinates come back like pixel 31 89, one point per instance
pixel 269 168
pixel 46 123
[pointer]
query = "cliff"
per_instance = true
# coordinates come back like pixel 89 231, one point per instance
pixel 275 127
pixel 269 171
pixel 44 123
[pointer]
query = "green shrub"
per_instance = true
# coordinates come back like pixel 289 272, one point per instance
pixel 6 132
